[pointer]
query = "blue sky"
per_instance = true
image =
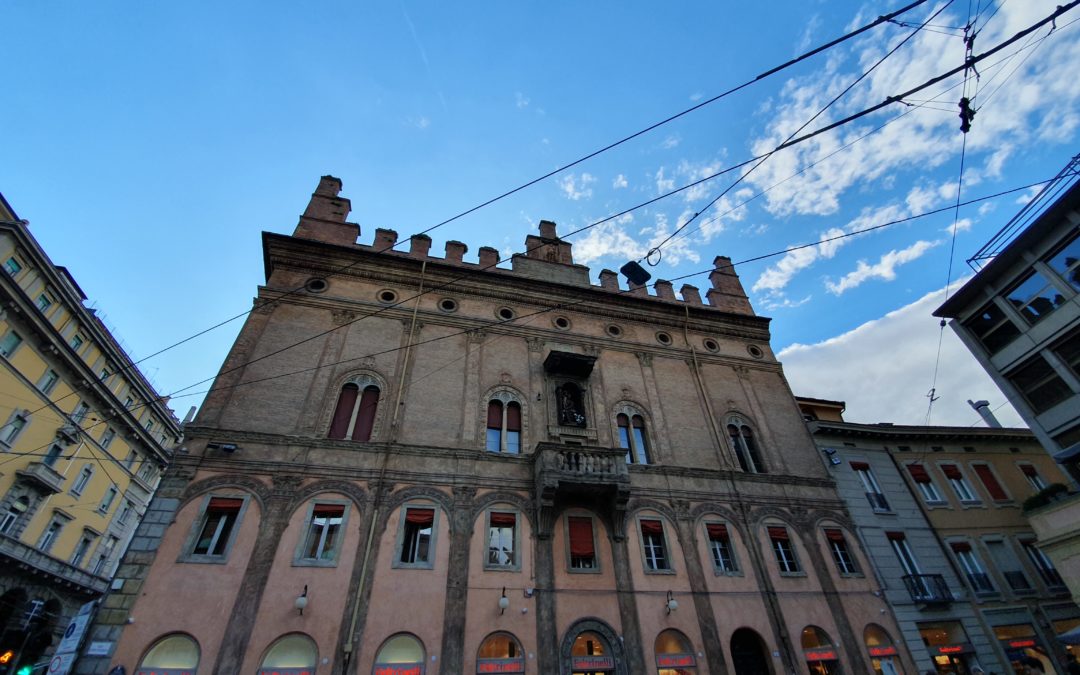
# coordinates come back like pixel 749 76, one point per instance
pixel 150 143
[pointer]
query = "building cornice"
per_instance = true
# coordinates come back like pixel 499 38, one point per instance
pixel 904 432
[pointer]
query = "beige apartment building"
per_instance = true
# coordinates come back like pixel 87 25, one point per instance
pixel 419 464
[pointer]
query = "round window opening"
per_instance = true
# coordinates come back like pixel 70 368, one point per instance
pixel 387 296
pixel 711 345
pixel 755 351
pixel 316 285
pixel 448 305
pixel 505 313
pixel 663 338
pixel 561 322
pixel 614 331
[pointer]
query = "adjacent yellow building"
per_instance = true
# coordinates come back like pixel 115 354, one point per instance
pixel 83 440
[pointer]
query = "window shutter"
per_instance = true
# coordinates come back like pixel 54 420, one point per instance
pixel 328 511
pixel 622 420
pixel 860 466
pixel 495 415
pixel 918 473
pixel 501 519
pixel 581 536
pixel 1029 470
pixel 638 422
pixel 895 536
pixel 834 535
pixel 716 530
pixel 991 482
pixel 513 417
pixel 951 472
pixel 651 527
pixel 960 546
pixel 365 417
pixel 225 504
pixel 343 412
pixel 421 517
pixel 778 533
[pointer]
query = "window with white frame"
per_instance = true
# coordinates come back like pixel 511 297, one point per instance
pixel 125 513
pixel 10 343
pixel 105 553
pixel 903 552
pixel 80 412
pixel 15 425
pixel 216 529
pixel 1042 563
pixel 416 537
pixel 783 550
pixel 76 342
pixel 52 532
pixel 744 445
pixel 48 381
pixel 959 483
pixel 653 545
pixel 723 553
pixel 1008 564
pixel 81 481
pixel 324 531
pixel 845 561
pixel 1036 481
pixel 82 549
pixel 108 499
pixel 870 485
pixel 502 540
pixel 972 567
pixel 107 437
pixel 503 424
pixel 924 484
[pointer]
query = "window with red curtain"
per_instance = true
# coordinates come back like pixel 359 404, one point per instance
pixel 494 426
pixel 778 533
pixel 720 546
pixel 502 539
pixel 582 550
pixel 951 472
pixel 918 473
pixel 339 427
pixel 834 534
pixel 716 530
pixel 990 481
pixel 416 537
pixel 365 415
pixel 652 542
pixel 513 427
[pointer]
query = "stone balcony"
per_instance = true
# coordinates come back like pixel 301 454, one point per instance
pixel 1057 526
pixel 591 476
pixel 15 555
pixel 43 476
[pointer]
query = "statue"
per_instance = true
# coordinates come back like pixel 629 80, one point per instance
pixel 571 412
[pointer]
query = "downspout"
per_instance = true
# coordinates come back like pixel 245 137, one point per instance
pixel 348 647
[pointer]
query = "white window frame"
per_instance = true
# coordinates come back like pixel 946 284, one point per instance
pixel 843 556
pixel 52 532
pixel 906 556
pixel 43 302
pixel 82 549
pixel 80 413
pixel 48 381
pixel 429 562
pixel 515 538
pixel 13 262
pixel 15 426
pixel 78 486
pixel 649 556
pixel 189 554
pixel 301 558
pixel 784 553
pixel 716 554
pixel 960 486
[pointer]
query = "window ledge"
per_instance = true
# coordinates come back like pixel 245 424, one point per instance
pixel 502 568
pixel 884 512
pixel 972 504
pixel 203 559
pixel 793 574
pixel 652 571
pixel 584 570
pixel 727 573
pixel 308 562
pixel 852 575
pixel 412 566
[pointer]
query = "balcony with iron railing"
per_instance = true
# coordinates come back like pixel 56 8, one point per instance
pixel 878 502
pixel 928 589
pixel 584 473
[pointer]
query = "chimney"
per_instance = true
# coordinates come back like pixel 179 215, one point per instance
pixel 690 294
pixel 727 292
pixel 609 280
pixel 983 408
pixel 547 230
pixel 384 240
pixel 664 290
pixel 324 217
pixel 419 245
pixel 489 257
pixel 638 289
pixel 455 251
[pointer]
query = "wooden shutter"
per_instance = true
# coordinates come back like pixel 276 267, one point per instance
pixel 895 536
pixel 513 417
pixel 365 417
pixel 651 527
pixel 224 504
pixel 495 415
pixel 343 413
pixel 951 472
pixel 501 519
pixel 997 493
pixel 581 537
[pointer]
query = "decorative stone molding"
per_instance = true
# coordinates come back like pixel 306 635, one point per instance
pixel 535 344
pixel 341 317
pixel 599 627
pixel 258 489
pixel 645 358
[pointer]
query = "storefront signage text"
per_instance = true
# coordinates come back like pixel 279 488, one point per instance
pixel 1020 644
pixel 399 669
pixel 883 651
pixel 675 661
pixel 592 663
pixel 500 666
pixel 821 655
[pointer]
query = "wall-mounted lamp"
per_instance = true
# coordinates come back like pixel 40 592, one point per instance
pixel 672 603
pixel 829 451
pixel 504 602
pixel 301 601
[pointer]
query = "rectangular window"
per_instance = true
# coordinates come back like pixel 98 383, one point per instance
pixel 1008 565
pixel 76 342
pixel 924 484
pixel 1068 350
pixel 1066 261
pixel 12 266
pixel 845 562
pixel 977 577
pixel 416 537
pixel 652 542
pixel 52 532
pixel 903 552
pixel 51 456
pixel 128 402
pixel 12 429
pixel 990 482
pixel 324 532
pixel 125 513
pixel 44 302
pixel 10 343
pixel 82 548
pixel 992 328
pixel 1035 297
pixel 149 425
pixel 104 554
pixel 80 412
pixel 1043 565
pixel 108 499
pixel 1039 384
pixel 502 537
pixel 48 381
pixel 1033 477
pixel 80 483
pixel 959 483
pixel 129 461
pixel 219 521
pixel 582 544
pixel 783 550
pixel 107 438
pixel 873 491
pixel 723 555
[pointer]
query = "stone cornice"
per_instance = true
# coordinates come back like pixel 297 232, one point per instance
pixel 902 432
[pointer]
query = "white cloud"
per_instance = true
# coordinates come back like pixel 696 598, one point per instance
pixel 696 96
pixel 664 185
pixel 884 269
pixel 986 207
pixel 577 187
pixel 421 122
pixel 883 370
pixel 670 142
pixel 520 100
pixel 608 238
pixel 619 182
pixel 962 225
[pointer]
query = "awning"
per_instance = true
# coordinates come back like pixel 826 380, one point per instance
pixel 1070 637
pixel 1068 454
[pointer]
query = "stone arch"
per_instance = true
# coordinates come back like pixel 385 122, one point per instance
pixel 760 514
pixel 702 511
pixel 259 490
pixel 817 519
pixel 395 500
pixel 351 490
pixel 741 420
pixel 637 505
pixel 594 625
pixel 630 408
pixel 524 504
pixel 505 393
pixel 362 378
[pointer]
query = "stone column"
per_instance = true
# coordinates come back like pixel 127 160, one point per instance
pixel 853 646
pixel 710 635
pixel 768 596
pixel 628 612
pixel 547 640
pixel 457 582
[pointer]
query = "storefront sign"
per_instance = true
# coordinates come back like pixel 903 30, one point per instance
pixel 675 661
pixel 592 663
pixel 1020 644
pixel 820 655
pixel 500 665
pixel 398 669
pixel 882 651
pixel 287 671
pixel 955 649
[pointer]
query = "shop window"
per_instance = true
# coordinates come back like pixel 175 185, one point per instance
pixel 990 482
pixel 924 484
pixel 744 445
pixel 502 540
pixel 1024 649
pixel 500 653
pixel 1033 478
pixel 882 651
pixel 723 553
pixel 401 653
pixel 633 437
pixel 959 484
pixel 216 529
pixel 173 654
pixel 591 653
pixel 653 546
pixel 1040 386
pixel 582 544
pixel 972 567
pixel 783 550
pixel 820 652
pixel 1042 563
pixel 674 654
pixel 324 529
pixel 416 545
pixel 874 495
pixel 354 416
pixel 845 561
pixel 293 654
pixel 992 328
pixel 504 426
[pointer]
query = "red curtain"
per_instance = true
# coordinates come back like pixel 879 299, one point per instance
pixel 918 473
pixel 495 409
pixel 960 546
pixel 834 535
pixel 225 503
pixel 328 511
pixel 951 471
pixel 651 527
pixel 991 482
pixel 422 517
pixel 581 537
pixel 343 412
pixel 860 466
pixel 365 417
pixel 778 533
pixel 513 417
pixel 503 519
pixel 716 530
pixel 638 422
pixel 895 536
pixel 1029 470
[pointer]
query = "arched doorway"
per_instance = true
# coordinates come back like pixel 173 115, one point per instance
pixel 293 654
pixel 749 655
pixel 883 654
pixel 400 654
pixel 500 653
pixel 674 654
pixel 819 652
pixel 591 647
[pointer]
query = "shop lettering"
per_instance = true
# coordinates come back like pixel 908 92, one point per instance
pixel 950 649
pixel 1020 644
pixel 883 651
pixel 592 663
pixel 514 666
pixel 821 656
pixel 287 671
pixel 675 661
pixel 399 669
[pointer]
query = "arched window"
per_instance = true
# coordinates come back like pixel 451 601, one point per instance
pixel 745 447
pixel 632 437
pixel 294 654
pixel 402 653
pixel 674 655
pixel 504 424
pixel 500 653
pixel 882 651
pixel 354 416
pixel 171 654
pixel 819 651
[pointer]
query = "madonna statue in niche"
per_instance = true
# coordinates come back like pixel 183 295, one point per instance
pixel 571 409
